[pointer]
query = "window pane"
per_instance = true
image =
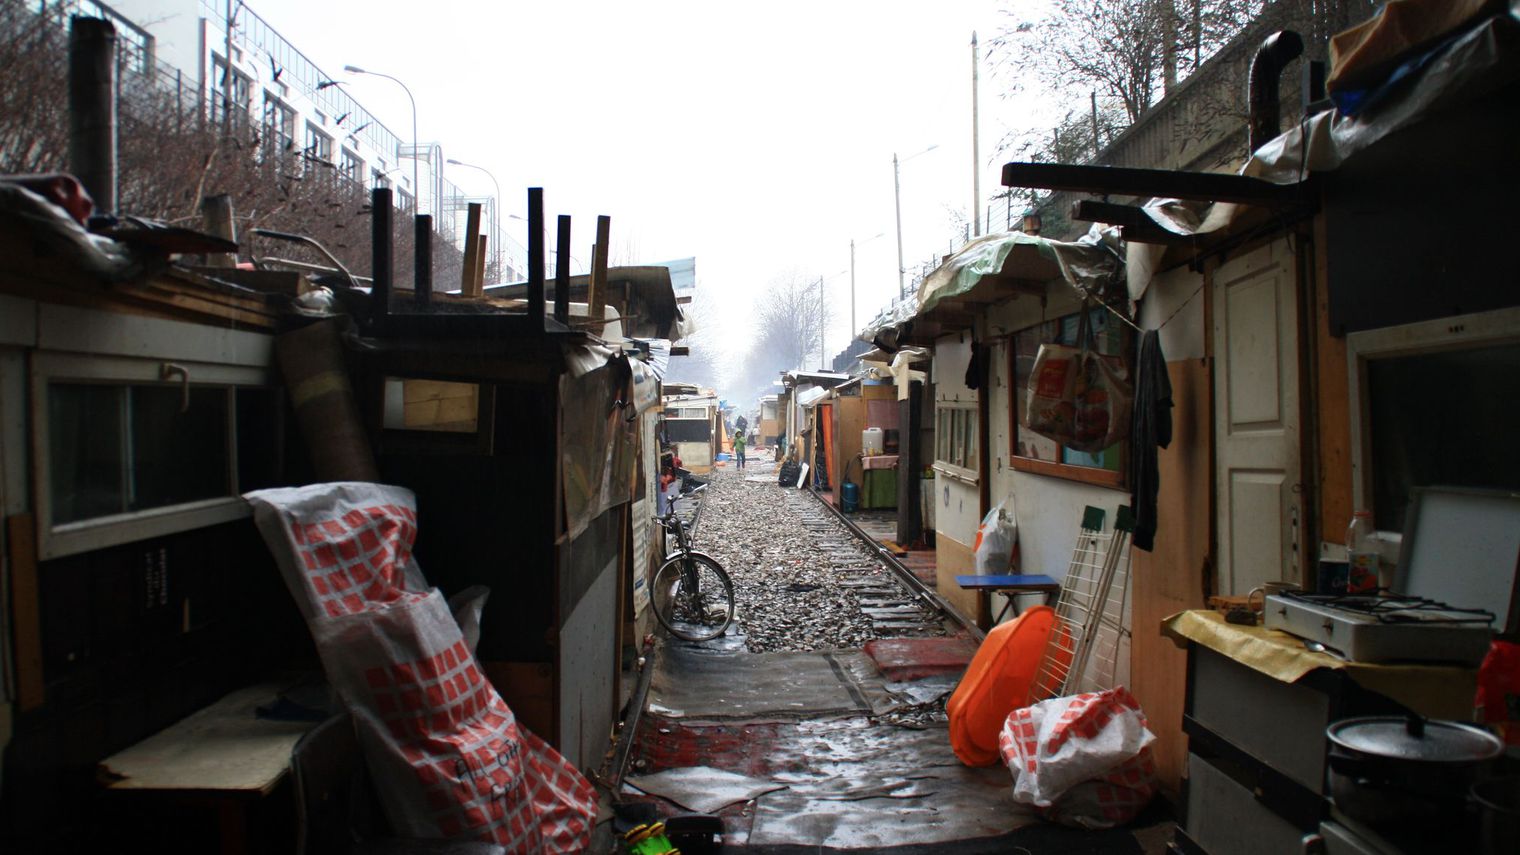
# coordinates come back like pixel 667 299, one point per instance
pixel 84 450
pixel 1108 458
pixel 972 461
pixel 260 439
pixel 177 457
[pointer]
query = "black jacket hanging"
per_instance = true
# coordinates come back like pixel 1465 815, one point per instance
pixel 1150 429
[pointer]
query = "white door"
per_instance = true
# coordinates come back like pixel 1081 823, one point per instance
pixel 1256 418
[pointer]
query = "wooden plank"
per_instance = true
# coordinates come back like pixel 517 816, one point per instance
pixel 222 748
pixel 1171 578
pixel 26 610
pixel 598 297
pixel 471 250
pixel 1151 183
pixel 481 255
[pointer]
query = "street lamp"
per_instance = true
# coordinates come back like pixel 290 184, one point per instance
pixel 416 184
pixel 854 329
pixel 495 209
pixel 897 199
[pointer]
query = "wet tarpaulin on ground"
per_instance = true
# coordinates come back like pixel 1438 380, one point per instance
pixel 702 788
pixel 755 685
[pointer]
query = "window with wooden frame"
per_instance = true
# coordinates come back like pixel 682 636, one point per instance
pixel 955 432
pixel 132 448
pixel 1031 452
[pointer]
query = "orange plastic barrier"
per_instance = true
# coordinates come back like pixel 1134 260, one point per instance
pixel 997 682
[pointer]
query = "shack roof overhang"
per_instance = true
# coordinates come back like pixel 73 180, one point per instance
pixel 996 268
pixel 826 379
pixel 650 285
pixel 1192 214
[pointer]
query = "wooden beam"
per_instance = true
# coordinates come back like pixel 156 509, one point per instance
pixel 597 299
pixel 1150 183
pixel 471 250
pixel 1137 225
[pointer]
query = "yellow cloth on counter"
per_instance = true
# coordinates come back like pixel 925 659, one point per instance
pixel 1438 691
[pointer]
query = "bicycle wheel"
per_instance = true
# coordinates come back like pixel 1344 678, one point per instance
pixel 693 597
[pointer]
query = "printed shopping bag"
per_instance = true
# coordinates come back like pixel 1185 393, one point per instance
pixel 447 755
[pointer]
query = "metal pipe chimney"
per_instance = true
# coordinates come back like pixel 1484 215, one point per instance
pixel 1279 49
pixel 92 108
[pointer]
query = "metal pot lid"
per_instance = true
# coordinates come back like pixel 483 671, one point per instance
pixel 1412 738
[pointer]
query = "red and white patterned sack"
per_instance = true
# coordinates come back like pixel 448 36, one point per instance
pixel 445 751
pixel 1083 760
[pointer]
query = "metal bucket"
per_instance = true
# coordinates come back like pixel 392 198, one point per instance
pixel 1498 801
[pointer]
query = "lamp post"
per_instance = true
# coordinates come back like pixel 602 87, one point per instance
pixel 897 199
pixel 853 328
pixel 416 184
pixel 495 214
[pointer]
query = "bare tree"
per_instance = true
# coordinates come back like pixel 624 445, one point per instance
pixel 171 153
pixel 789 319
pixel 1106 62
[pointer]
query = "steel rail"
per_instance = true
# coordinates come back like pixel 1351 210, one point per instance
pixel 915 585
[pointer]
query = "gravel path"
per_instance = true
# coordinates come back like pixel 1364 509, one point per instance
pixel 803 581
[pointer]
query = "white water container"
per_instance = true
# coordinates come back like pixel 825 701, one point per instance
pixel 872 441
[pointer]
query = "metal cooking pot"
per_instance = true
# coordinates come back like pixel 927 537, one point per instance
pixel 1406 772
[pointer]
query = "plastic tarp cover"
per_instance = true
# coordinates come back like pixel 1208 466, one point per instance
pixel 1477 62
pixel 1086 264
pixel 597 446
pixel 41 239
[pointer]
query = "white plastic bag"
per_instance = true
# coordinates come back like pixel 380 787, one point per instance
pixel 447 756
pixel 996 540
pixel 1083 760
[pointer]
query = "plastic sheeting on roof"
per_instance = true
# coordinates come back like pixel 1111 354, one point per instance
pixel 810 396
pixel 1086 263
pixel 1475 63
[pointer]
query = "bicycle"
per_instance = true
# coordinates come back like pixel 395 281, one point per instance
pixel 693 597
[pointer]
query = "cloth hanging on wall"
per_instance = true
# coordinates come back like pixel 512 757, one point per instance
pixel 1151 428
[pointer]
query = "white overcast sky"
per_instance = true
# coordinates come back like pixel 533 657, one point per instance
pixel 756 137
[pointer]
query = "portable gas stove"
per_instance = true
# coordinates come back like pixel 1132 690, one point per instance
pixel 1380 629
pixel 1459 545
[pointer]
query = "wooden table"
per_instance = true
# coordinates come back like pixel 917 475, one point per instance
pixel 223 756
pixel 1010 585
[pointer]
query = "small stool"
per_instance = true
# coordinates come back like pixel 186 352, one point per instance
pixel 1011 586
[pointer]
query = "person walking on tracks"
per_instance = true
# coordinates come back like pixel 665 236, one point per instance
pixel 739 449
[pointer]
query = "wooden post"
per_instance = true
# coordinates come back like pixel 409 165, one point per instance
pixel 597 299
pixel 471 250
pixel 26 609
pixel 479 287
pixel 536 257
pixel 562 272
pixel 422 261
pixel 216 219
pixel 382 255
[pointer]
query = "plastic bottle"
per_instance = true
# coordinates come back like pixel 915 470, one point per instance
pixel 1361 555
